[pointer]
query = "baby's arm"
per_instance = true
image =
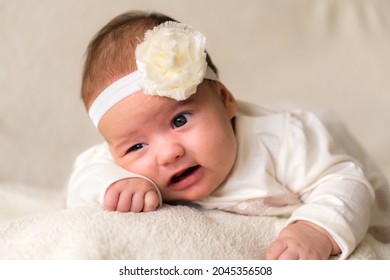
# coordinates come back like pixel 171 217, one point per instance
pixel 336 197
pixel 303 240
pixel 97 180
pixel 332 219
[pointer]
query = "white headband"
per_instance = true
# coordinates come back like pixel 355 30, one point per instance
pixel 121 89
pixel 171 62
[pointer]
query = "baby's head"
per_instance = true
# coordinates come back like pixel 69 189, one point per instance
pixel 111 53
pixel 156 99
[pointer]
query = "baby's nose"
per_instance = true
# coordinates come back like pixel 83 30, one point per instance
pixel 170 151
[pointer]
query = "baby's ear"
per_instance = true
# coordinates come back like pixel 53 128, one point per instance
pixel 227 99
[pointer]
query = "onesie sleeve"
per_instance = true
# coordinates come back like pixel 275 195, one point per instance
pixel 94 171
pixel 331 185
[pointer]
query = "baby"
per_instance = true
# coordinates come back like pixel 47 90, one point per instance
pixel 174 132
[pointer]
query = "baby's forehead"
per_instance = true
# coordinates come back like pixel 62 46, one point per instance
pixel 159 104
pixel 140 105
pixel 143 106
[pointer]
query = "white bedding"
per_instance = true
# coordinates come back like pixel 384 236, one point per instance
pixel 34 226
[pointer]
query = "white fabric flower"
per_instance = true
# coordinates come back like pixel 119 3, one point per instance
pixel 172 60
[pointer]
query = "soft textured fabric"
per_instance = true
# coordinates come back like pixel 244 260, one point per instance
pixel 33 226
pixel 287 164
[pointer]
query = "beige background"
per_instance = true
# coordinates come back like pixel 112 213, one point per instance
pixel 334 53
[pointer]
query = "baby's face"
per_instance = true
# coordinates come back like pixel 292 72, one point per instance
pixel 186 147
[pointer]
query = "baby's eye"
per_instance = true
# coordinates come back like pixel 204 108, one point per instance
pixel 180 120
pixel 136 147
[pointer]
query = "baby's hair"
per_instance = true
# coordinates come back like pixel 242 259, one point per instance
pixel 111 53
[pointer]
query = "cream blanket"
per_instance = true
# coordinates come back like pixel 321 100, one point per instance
pixel 34 226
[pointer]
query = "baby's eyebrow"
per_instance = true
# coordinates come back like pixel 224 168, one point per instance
pixel 120 141
pixel 185 102
pixel 174 106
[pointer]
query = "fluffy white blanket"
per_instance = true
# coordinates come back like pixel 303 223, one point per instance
pixel 34 226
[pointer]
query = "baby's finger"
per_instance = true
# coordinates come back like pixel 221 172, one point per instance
pixel 137 202
pixel 124 202
pixel 289 255
pixel 275 250
pixel 151 201
pixel 111 199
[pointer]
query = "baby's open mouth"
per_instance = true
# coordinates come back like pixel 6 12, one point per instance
pixel 183 174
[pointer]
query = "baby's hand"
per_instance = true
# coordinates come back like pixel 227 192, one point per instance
pixel 302 241
pixel 132 194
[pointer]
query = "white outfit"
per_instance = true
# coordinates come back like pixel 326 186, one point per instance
pixel 287 164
